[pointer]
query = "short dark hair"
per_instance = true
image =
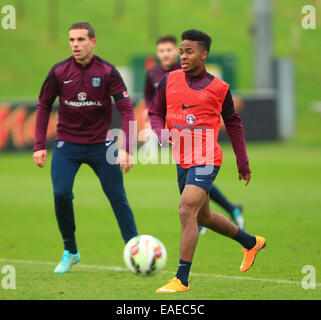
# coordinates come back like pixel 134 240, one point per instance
pixel 168 38
pixel 84 25
pixel 195 35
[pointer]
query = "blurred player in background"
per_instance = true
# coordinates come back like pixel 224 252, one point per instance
pixel 191 99
pixel 167 53
pixel 84 83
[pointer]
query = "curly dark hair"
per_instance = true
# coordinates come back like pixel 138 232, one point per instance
pixel 202 38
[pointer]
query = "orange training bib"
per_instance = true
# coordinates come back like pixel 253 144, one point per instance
pixel 194 119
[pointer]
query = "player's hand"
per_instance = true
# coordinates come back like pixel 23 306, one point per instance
pixel 167 143
pixel 246 177
pixel 125 160
pixel 40 157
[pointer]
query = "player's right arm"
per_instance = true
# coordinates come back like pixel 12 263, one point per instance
pixel 157 111
pixel 48 94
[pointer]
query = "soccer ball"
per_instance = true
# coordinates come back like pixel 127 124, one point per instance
pixel 145 255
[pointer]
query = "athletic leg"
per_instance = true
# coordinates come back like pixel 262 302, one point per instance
pixel 220 224
pixel 197 181
pixel 111 179
pixel 216 221
pixel 252 245
pixel 64 167
pixel 193 186
pixel 192 200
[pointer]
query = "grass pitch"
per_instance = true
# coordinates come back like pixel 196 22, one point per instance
pixel 282 203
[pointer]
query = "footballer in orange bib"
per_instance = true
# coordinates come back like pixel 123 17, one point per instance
pixel 190 102
pixel 167 53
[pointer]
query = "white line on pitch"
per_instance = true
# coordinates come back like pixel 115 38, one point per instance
pixel 111 268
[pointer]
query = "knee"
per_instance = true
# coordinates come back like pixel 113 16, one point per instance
pixel 187 212
pixel 62 195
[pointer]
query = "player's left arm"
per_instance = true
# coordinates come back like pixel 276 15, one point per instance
pixel 148 90
pixel 118 90
pixel 234 127
pixel 157 112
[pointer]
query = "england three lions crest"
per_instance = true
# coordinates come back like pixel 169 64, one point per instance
pixel 96 81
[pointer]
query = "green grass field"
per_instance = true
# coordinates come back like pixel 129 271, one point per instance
pixel 281 203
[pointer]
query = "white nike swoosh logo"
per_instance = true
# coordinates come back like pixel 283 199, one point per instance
pixel 67 81
pixel 198 179
pixel 108 143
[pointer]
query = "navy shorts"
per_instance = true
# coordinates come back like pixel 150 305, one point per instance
pixel 202 176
